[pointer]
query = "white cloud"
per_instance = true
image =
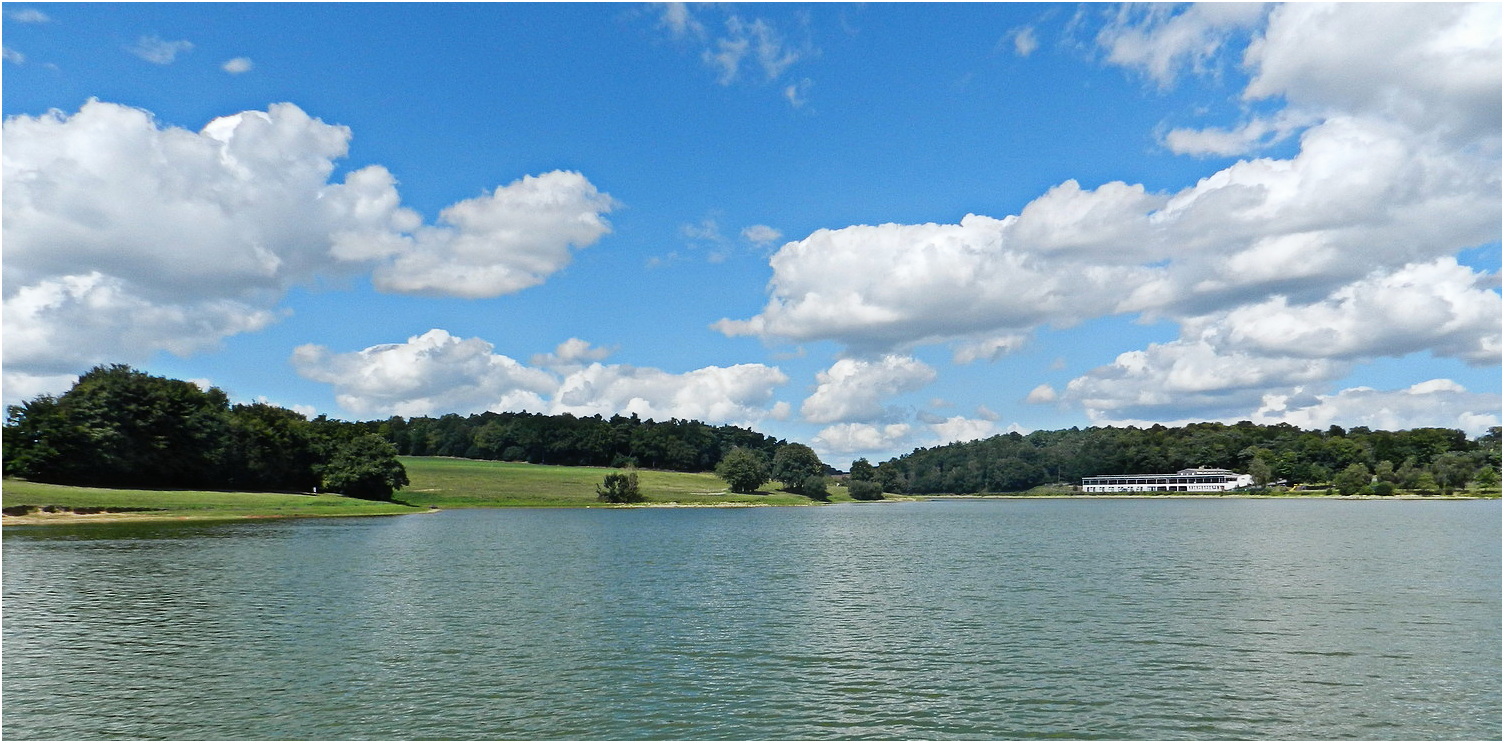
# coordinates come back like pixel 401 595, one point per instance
pixel 124 237
pixel 430 374
pixel 238 65
pixel 1430 66
pixel 436 373
pixel 990 349
pixel 1438 306
pixel 797 94
pixel 1189 379
pixel 736 394
pixel 1161 39
pixel 503 242
pixel 1282 273
pixel 860 438
pixel 157 50
pixel 761 234
pixel 1436 402
pixel 854 390
pixel 1024 41
pixel 29 15
pixel 755 43
pixel 680 20
pixel 12 56
pixel 960 428
pixel 1042 394
pixel 570 355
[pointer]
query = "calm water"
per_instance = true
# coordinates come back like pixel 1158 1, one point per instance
pixel 1145 619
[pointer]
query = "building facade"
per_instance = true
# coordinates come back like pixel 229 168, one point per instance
pixel 1198 480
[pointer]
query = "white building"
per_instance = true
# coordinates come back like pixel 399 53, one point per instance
pixel 1198 480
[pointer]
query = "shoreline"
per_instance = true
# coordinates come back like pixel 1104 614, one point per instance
pixel 60 518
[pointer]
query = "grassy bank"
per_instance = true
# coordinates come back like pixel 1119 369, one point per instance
pixel 63 503
pixel 435 481
pixel 468 483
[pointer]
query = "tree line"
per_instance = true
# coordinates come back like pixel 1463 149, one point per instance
pixel 121 428
pixel 1421 459
pixel 618 441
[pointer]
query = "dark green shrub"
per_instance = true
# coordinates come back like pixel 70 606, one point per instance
pixel 864 490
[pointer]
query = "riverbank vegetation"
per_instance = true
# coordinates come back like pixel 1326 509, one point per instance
pixel 1426 461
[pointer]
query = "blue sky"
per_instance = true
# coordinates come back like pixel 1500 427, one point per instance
pixel 863 227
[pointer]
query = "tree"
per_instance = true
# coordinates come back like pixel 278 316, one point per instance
pixel 815 486
pixel 365 467
pixel 793 464
pixel 1352 479
pixel 619 488
pixel 743 470
pixel 864 490
pixel 1261 472
pixel 862 470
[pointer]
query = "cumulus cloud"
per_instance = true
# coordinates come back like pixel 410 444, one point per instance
pixel 1281 272
pixel 1435 402
pixel 125 237
pixel 157 50
pixel 854 390
pixel 1439 306
pixel 436 373
pixel 238 65
pixel 860 438
pixel 508 240
pixel 1189 379
pixel 569 355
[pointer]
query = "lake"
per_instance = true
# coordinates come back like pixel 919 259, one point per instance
pixel 998 619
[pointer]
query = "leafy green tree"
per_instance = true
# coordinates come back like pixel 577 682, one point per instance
pixel 1353 478
pixel 1261 472
pixel 1453 469
pixel 1487 478
pixel 118 427
pixel 620 487
pixel 816 486
pixel 862 470
pixel 365 467
pixel 864 490
pixel 743 470
pixel 1425 484
pixel 794 464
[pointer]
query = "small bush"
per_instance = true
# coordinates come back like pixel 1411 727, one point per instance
pixel 864 490
pixel 815 487
pixel 619 488
pixel 1383 488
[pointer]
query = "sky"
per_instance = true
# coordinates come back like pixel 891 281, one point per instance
pixel 868 228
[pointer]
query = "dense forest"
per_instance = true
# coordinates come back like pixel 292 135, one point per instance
pixel 683 445
pixel 1417 459
pixel 118 427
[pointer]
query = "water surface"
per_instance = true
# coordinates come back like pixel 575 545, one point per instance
pixel 1123 619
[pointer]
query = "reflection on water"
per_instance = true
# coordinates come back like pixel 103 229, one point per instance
pixel 997 619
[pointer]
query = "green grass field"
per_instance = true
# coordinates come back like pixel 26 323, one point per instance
pixel 184 504
pixel 435 481
pixel 468 483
